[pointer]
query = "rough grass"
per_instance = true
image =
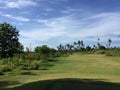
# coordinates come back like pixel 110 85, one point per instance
pixel 76 72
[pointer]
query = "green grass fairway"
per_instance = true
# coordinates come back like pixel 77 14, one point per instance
pixel 76 72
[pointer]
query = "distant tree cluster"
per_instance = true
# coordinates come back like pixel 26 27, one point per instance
pixel 45 50
pixel 79 46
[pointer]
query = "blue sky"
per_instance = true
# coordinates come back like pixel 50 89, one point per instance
pixel 52 22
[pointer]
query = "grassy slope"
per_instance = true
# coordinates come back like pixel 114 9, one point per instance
pixel 75 72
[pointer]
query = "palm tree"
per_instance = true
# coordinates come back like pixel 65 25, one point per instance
pixel 98 39
pixel 109 42
pixel 71 47
pixel 98 43
pixel 94 46
pixel 79 43
pixel 82 44
pixel 68 46
pixel 59 47
pixel 75 43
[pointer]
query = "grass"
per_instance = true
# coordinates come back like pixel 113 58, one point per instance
pixel 76 72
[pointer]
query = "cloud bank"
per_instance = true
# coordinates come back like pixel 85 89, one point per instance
pixel 68 28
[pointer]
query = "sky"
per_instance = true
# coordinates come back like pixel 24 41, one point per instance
pixel 54 22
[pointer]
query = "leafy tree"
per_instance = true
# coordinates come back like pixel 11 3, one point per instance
pixel 44 50
pixel 9 43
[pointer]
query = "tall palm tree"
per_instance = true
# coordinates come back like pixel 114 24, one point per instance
pixel 94 46
pixel 98 39
pixel 98 43
pixel 59 47
pixel 75 43
pixel 71 47
pixel 82 44
pixel 79 43
pixel 109 42
pixel 68 46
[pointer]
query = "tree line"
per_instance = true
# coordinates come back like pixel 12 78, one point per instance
pixel 79 46
pixel 10 45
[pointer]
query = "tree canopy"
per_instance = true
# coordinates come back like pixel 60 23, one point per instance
pixel 9 42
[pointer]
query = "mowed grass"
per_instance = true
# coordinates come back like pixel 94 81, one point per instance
pixel 75 72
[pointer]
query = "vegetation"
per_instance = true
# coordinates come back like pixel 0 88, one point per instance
pixel 45 51
pixel 9 44
pixel 88 67
pixel 75 72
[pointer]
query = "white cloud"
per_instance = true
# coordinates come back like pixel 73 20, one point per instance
pixel 18 18
pixel 41 34
pixel 17 3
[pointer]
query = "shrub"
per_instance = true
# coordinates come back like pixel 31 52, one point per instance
pixel 35 65
pixel 32 56
pixel 100 52
pixel 113 52
pixel 5 68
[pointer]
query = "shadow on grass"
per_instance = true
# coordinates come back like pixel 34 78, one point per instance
pixel 4 84
pixel 69 84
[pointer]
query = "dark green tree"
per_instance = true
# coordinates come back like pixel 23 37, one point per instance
pixel 43 50
pixel 9 42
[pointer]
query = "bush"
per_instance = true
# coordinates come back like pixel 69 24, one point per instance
pixel 113 52
pixel 20 64
pixel 109 52
pixel 5 68
pixel 32 56
pixel 100 52
pixel 35 65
